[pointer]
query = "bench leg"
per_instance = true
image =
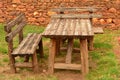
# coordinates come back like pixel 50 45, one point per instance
pixel 26 58
pixel 84 56
pixel 41 48
pixel 90 43
pixel 69 51
pixel 12 64
pixel 35 63
pixel 58 47
pixel 52 52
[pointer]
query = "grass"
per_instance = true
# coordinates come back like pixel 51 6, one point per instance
pixel 103 63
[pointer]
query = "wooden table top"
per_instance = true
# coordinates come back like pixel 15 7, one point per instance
pixel 68 27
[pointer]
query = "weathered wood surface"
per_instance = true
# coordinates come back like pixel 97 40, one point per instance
pixel 69 51
pixel 52 52
pixel 28 45
pixel 67 66
pixel 35 62
pixel 25 64
pixel 84 56
pixel 98 30
pixel 12 34
pixel 83 16
pixel 68 27
pixel 80 9
pixel 12 23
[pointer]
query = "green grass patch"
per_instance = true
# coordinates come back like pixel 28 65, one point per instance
pixel 107 67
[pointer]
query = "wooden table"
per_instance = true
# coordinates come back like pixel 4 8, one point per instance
pixel 70 28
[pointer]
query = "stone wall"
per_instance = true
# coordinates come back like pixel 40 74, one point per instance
pixel 38 11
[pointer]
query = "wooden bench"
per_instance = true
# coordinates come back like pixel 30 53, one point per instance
pixel 91 14
pixel 27 47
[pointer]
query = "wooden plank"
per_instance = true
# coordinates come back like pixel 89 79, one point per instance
pixel 11 24
pixel 25 64
pixel 83 16
pixel 58 46
pixel 72 27
pixel 27 45
pixel 66 28
pixel 52 52
pixel 20 36
pixel 54 27
pixel 80 9
pixel 11 58
pixel 47 30
pixel 89 27
pixel 16 31
pixel 84 56
pixel 77 29
pixel 83 27
pixel 61 27
pixel 75 50
pixel 90 41
pixel 98 30
pixel 67 66
pixel 34 44
pixel 35 62
pixel 21 45
pixel 69 51
pixel 41 48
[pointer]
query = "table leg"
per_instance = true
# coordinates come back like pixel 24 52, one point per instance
pixel 84 56
pixel 69 51
pixel 58 47
pixel 52 52
pixel 90 41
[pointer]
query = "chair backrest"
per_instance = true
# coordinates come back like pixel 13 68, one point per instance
pixel 82 12
pixel 73 9
pixel 14 27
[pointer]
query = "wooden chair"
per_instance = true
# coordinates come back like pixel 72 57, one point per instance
pixel 27 47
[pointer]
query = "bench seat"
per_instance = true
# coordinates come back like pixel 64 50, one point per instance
pixel 28 45
pixel 98 30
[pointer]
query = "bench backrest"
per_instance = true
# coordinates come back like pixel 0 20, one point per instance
pixel 13 28
pixel 73 9
pixel 83 10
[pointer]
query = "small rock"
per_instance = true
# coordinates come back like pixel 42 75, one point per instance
pixel 119 39
pixel 1 5
pixel 14 5
pixel 113 10
pixel 35 13
pixel 31 19
pixel 116 21
pixel 16 1
pixel 44 71
pixel 102 21
pixel 42 19
pixel 95 20
pixel 50 13
pixel 109 20
pixel 1 12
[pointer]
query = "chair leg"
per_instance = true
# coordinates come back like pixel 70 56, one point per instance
pixel 12 64
pixel 41 49
pixel 35 63
pixel 26 58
